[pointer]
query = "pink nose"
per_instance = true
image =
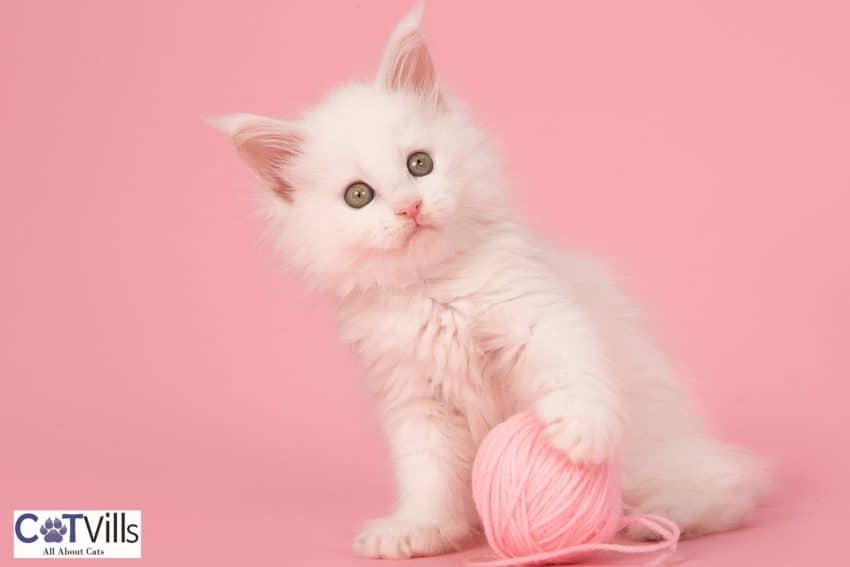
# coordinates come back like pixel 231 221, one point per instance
pixel 410 210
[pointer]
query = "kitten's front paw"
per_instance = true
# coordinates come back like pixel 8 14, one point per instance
pixel 586 433
pixel 395 538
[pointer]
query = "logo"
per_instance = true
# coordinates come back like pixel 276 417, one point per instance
pixel 53 530
pixel 86 534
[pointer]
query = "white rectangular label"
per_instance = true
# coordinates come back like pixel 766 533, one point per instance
pixel 77 534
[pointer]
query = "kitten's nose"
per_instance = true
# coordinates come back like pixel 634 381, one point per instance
pixel 411 209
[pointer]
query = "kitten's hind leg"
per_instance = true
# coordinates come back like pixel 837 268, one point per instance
pixel 701 484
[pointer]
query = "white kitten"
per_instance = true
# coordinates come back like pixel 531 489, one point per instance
pixel 389 198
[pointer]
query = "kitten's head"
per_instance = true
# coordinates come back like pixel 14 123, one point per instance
pixel 380 183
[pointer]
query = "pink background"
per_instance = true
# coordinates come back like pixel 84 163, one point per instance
pixel 153 355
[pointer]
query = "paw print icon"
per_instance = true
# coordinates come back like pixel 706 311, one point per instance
pixel 53 530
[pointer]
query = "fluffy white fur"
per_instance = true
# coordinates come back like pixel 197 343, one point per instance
pixel 462 317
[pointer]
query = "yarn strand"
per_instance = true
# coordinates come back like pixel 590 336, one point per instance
pixel 668 531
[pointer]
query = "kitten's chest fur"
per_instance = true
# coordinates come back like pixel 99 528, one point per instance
pixel 427 341
pixel 426 329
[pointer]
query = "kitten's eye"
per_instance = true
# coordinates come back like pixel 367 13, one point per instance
pixel 359 195
pixel 419 164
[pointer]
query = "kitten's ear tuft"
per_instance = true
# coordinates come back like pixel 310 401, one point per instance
pixel 267 145
pixel 407 63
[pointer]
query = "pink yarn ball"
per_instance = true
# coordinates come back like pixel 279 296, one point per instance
pixel 533 500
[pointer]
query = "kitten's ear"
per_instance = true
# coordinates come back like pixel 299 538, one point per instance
pixel 407 64
pixel 267 145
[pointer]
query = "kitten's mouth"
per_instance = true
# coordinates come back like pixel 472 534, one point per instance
pixel 417 228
